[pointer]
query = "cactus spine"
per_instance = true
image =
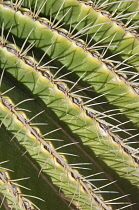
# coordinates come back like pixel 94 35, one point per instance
pixel 69 104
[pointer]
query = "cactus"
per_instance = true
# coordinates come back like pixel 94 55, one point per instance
pixel 69 104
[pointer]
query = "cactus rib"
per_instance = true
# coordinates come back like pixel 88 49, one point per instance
pixel 69 97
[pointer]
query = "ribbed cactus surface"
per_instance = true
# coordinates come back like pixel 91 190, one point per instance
pixel 69 104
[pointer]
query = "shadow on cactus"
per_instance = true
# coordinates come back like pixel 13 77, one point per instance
pixel 69 104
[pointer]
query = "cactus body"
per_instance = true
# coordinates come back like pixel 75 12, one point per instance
pixel 69 104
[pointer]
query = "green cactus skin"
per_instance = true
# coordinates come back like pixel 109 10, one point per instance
pixel 48 79
pixel 81 118
pixel 27 170
pixel 96 70
pixel 10 191
pixel 84 13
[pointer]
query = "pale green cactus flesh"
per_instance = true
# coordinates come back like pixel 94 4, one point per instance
pixel 69 113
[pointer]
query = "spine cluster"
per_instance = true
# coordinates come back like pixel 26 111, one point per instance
pixel 111 18
pixel 78 101
pixel 19 200
pixel 79 42
pixel 60 160
pixel 104 142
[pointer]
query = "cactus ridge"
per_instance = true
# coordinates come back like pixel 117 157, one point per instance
pixel 129 38
pixel 93 114
pixel 35 14
pixel 86 185
pixel 46 74
pixel 56 163
pixel 104 129
pixel 62 72
pixel 128 91
pixel 122 10
pixel 59 159
pixel 11 191
pixel 89 114
pixel 48 185
pixel 97 8
pixel 79 42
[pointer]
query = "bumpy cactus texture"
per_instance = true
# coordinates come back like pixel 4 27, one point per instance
pixel 69 104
